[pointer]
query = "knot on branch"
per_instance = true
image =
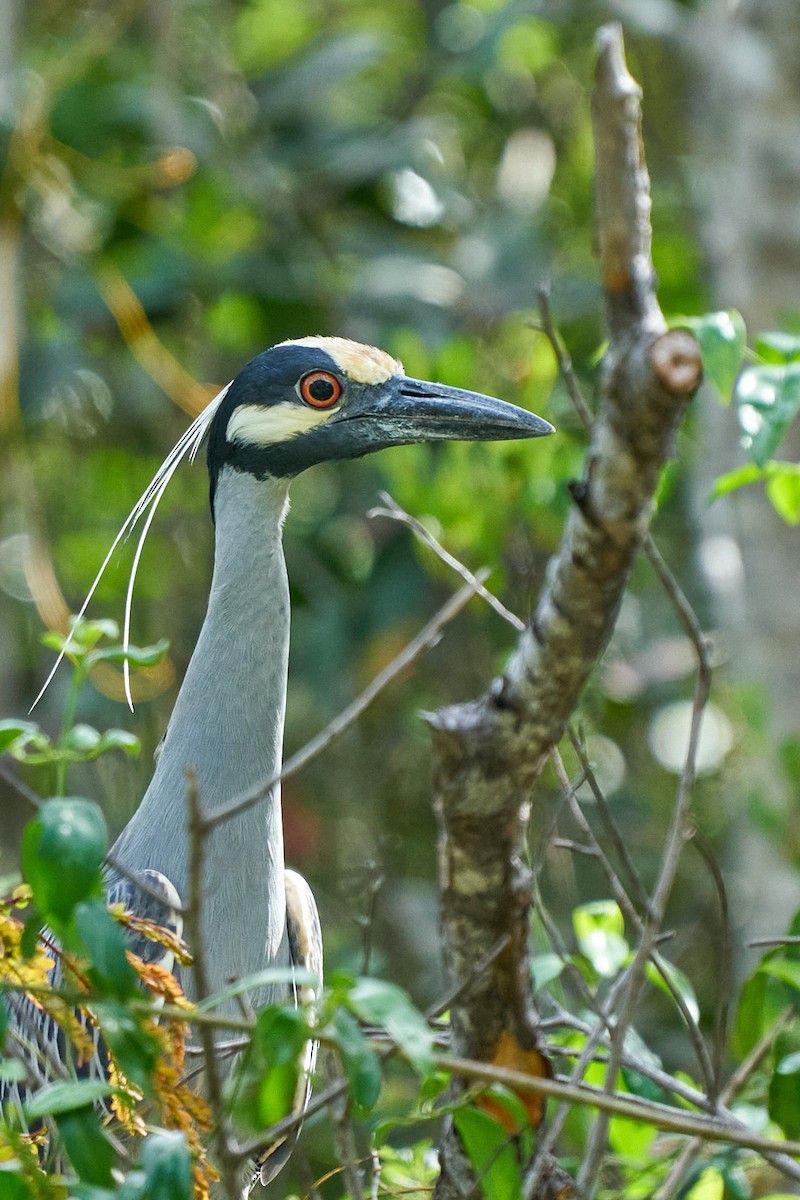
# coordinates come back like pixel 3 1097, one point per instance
pixel 676 362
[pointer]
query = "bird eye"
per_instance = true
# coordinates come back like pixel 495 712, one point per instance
pixel 320 389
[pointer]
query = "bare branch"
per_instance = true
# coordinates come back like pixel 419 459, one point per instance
pixel 395 513
pixel 489 753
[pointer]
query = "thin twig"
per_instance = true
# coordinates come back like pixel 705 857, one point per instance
pixel 609 824
pixel 778 1158
pixel 395 513
pixel 343 1132
pixel 629 910
pixel 782 940
pixel 722 1007
pixel 669 1083
pixel 425 640
pixel 194 929
pixel 662 1116
pixel 679 832
pixel 548 328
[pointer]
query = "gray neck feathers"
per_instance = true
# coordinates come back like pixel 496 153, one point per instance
pixel 227 724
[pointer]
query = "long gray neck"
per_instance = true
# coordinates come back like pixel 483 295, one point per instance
pixel 227 724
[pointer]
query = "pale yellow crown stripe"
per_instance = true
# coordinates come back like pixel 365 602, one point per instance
pixel 362 364
pixel 264 425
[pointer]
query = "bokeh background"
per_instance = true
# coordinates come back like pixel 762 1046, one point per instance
pixel 185 182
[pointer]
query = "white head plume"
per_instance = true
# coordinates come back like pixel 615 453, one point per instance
pixel 188 443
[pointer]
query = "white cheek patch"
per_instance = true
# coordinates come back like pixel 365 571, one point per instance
pixel 264 425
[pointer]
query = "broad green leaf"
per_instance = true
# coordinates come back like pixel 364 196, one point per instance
pixel 768 399
pixel 12 1070
pixel 387 1005
pixel 89 1151
pixel 120 739
pixel 87 633
pixel 723 338
pixel 709 1186
pixel 12 731
pixel 12 1185
pixel 134 1048
pixel 785 969
pixel 790 1064
pixel 740 477
pixel 260 979
pixel 80 742
pixel 600 927
pixel 491 1152
pixel 680 982
pixel 167 1166
pixel 783 491
pixel 762 1000
pixel 103 940
pixel 56 1098
pixel 62 851
pixel 361 1064
pixel 546 968
pixel 265 1085
pixel 137 656
pixel 777 347
pixel 631 1140
pixel 784 1086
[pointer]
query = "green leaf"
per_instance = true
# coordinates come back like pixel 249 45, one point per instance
pixel 167 1166
pixel 56 1098
pixel 62 851
pixel 104 942
pixel 783 491
pixel 12 1070
pixel 546 968
pixel 710 1185
pixel 768 399
pixel 789 1065
pixel 491 1152
pixel 258 980
pixel 3 1022
pixel 777 347
pixel 12 731
pixel 762 1000
pixel 134 1048
pixel 740 477
pixel 784 1086
pixel 12 1185
pixel 137 656
pixel 265 1087
pixel 600 927
pixel 784 969
pixel 120 739
pixel 361 1064
pixel 722 337
pixel 88 1149
pixel 380 1003
pixel 680 983
pixel 80 742
pixel 87 634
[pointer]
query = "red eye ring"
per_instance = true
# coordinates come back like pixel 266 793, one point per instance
pixel 320 389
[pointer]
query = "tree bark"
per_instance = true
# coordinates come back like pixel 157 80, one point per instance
pixel 488 753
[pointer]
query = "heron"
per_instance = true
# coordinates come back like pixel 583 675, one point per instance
pixel 300 403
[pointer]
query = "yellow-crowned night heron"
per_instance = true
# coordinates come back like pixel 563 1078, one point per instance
pixel 300 403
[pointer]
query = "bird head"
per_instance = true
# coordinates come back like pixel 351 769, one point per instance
pixel 323 398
